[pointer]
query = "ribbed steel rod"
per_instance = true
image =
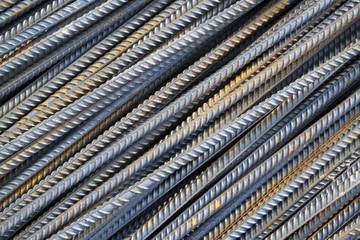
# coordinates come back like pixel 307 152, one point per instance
pixel 122 200
pixel 7 3
pixel 250 144
pixel 347 216
pixel 23 178
pixel 323 184
pixel 17 10
pixel 241 231
pixel 35 16
pixel 346 231
pixel 323 205
pixel 100 51
pixel 43 87
pixel 66 40
pixel 73 90
pixel 107 84
pixel 214 210
pixel 40 27
pixel 177 119
pixel 247 145
pixel 167 93
pixel 141 70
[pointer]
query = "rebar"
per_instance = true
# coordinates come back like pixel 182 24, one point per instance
pixel 175 119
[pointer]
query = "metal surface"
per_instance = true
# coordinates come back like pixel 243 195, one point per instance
pixel 175 119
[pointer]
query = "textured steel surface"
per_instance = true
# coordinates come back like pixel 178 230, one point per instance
pixel 177 119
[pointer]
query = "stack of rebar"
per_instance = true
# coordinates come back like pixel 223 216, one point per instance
pixel 180 119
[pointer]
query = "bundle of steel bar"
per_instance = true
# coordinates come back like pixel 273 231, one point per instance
pixel 180 119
